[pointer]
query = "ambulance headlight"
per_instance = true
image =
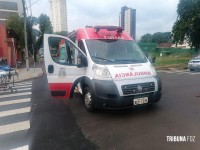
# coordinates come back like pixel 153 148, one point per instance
pixel 153 70
pixel 100 72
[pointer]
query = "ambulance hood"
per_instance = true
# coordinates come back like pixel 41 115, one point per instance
pixel 131 71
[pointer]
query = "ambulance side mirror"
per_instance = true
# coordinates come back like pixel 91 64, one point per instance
pixel 146 55
pixel 151 59
pixel 82 61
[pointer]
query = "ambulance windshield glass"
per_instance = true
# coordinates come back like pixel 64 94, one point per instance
pixel 115 52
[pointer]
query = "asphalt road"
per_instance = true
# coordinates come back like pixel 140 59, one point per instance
pixel 53 126
pixel 65 124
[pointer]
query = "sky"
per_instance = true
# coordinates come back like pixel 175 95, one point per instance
pixel 151 15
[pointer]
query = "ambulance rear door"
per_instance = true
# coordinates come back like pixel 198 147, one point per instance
pixel 65 65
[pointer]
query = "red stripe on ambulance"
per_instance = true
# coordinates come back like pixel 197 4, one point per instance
pixel 61 87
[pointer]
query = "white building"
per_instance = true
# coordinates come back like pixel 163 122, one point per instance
pixel 9 8
pixel 127 20
pixel 59 15
pixel 185 45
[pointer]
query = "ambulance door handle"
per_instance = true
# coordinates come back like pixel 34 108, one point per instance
pixel 50 69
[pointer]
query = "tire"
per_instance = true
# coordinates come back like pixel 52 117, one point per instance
pixel 88 100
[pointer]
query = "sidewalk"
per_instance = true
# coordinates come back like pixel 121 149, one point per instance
pixel 33 72
pixel 23 74
pixel 172 67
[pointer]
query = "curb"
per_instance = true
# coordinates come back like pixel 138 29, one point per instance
pixel 28 76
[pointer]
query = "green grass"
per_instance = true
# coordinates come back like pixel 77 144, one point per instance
pixel 171 60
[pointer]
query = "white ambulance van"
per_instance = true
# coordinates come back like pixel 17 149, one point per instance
pixel 106 65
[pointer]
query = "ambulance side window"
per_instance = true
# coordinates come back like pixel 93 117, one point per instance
pixel 81 46
pixel 62 51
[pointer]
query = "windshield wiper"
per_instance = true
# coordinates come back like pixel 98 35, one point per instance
pixel 131 60
pixel 126 60
pixel 103 58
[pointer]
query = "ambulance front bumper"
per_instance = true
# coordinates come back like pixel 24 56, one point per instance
pixel 106 95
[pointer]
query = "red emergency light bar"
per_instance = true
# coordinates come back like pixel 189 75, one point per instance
pixel 109 28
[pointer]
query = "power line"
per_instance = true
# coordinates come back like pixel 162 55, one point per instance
pixel 32 4
pixel 31 7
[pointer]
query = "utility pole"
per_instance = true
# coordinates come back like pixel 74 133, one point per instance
pixel 14 54
pixel 25 37
pixel 30 4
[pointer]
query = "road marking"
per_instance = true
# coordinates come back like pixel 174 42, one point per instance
pixel 15 101
pixel 178 72
pixel 194 73
pixel 15 111
pixel 22 86
pixel 15 94
pixel 19 126
pixel 25 89
pixel 23 82
pixel 9 91
pixel 26 147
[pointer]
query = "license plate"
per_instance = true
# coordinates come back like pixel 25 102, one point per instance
pixel 139 101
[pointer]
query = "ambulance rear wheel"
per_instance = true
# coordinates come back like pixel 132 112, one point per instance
pixel 88 100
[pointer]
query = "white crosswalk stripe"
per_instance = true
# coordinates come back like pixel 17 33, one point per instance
pixel 16 104
pixel 18 90
pixel 14 94
pixel 15 101
pixel 14 127
pixel 22 86
pixel 22 83
pixel 26 147
pixel 15 112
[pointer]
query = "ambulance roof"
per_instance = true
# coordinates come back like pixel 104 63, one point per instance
pixel 102 32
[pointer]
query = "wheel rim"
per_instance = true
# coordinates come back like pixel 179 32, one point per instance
pixel 88 100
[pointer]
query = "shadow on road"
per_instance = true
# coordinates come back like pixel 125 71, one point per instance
pixel 53 126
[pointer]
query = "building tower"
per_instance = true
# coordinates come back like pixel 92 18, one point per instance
pixel 59 15
pixel 127 20
pixel 9 8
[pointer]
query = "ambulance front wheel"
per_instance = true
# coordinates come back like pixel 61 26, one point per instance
pixel 88 100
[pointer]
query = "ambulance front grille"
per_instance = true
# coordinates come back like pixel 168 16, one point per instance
pixel 138 88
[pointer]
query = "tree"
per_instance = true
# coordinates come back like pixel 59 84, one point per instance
pixel 147 38
pixel 161 37
pixel 31 33
pixel 186 28
pixel 63 33
pixel 158 37
pixel 16 23
pixel 45 26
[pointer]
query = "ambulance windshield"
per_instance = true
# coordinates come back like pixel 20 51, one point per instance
pixel 115 52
